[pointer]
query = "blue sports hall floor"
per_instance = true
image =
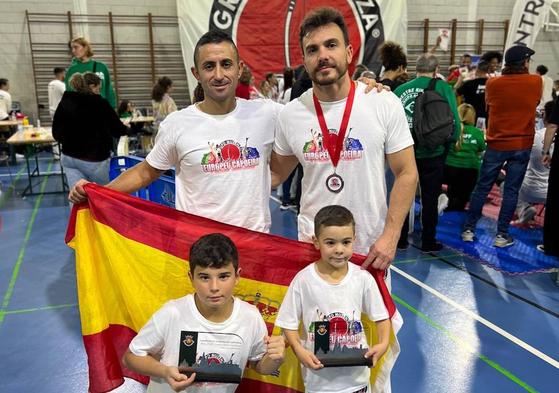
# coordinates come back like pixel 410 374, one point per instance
pixel 468 327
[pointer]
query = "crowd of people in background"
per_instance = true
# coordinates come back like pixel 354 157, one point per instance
pixel 452 138
pixel 478 155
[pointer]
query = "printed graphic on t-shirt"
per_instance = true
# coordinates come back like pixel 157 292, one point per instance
pixel 344 331
pixel 230 155
pixel 214 357
pixel 469 139
pixel 314 149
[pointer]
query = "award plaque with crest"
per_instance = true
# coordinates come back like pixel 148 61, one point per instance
pixel 197 356
pixel 338 355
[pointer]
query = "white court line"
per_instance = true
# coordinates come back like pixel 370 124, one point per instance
pixel 480 319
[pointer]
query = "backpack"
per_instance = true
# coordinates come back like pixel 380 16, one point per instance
pixel 433 120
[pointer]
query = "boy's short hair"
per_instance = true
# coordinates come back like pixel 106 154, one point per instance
pixel 58 70
pixel 322 17
pixel 214 250
pixel 332 216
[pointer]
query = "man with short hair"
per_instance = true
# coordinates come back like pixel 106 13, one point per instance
pixel 220 147
pixel 461 73
pixel 56 89
pixel 473 90
pixel 430 161
pixel 5 99
pixel 343 138
pixel 512 100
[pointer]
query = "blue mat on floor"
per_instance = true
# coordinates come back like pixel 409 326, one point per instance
pixel 520 258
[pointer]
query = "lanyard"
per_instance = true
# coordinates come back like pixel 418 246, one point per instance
pixel 333 142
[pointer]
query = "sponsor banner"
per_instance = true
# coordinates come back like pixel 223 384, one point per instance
pixel 267 32
pixel 526 21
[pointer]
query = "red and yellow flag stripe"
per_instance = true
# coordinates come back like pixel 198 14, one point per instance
pixel 131 257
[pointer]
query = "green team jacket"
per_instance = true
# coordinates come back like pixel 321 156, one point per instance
pixel 100 69
pixel 409 91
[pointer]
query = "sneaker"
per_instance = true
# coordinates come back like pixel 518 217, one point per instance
pixel 503 240
pixel 442 203
pixel 527 214
pixel 430 247
pixel 286 206
pixel 468 235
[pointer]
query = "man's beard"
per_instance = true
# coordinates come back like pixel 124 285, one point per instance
pixel 331 80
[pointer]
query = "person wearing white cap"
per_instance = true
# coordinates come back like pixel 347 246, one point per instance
pixel 511 101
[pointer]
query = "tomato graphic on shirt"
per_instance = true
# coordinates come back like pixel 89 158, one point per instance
pixel 229 155
pixel 230 151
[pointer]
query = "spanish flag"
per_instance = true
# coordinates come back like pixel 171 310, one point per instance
pixel 131 257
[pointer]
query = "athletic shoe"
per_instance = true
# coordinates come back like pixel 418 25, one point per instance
pixel 286 206
pixel 527 214
pixel 468 235
pixel 430 247
pixel 503 240
pixel 442 203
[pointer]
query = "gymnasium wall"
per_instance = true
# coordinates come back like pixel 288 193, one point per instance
pixel 15 54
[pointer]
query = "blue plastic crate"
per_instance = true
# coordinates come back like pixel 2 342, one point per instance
pixel 160 191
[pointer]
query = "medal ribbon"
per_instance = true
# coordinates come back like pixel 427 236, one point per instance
pixel 333 142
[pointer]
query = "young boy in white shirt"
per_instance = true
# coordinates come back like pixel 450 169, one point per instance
pixel 335 290
pixel 206 331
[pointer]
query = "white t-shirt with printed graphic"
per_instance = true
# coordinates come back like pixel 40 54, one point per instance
pixel 221 161
pixel 239 339
pixel 310 299
pixel 377 126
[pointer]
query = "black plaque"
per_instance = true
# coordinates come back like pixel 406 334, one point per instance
pixel 204 364
pixel 339 355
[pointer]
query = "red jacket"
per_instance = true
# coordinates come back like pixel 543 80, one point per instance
pixel 511 101
pixel 243 91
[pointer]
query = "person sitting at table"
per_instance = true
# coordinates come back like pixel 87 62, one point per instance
pixel 125 109
pixel 84 124
pixel 162 102
pixel 127 112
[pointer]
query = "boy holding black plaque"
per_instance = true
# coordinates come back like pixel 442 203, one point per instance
pixel 208 336
pixel 328 296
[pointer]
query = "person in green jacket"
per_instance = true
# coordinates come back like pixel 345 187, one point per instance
pixel 83 62
pixel 464 160
pixel 430 162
